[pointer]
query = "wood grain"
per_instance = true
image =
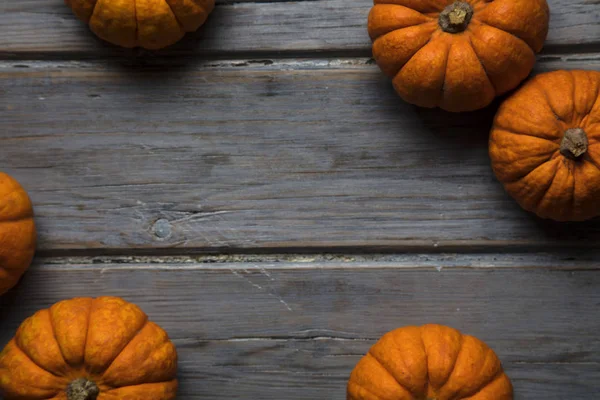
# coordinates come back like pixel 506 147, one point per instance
pixel 245 155
pixel 264 331
pixel 46 28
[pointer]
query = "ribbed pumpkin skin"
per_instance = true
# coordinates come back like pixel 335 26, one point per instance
pixel 151 24
pixel 17 232
pixel 106 340
pixel 431 362
pixel 461 71
pixel 525 145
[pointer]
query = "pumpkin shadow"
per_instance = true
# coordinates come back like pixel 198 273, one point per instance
pixel 467 129
pixel 184 55
pixel 8 302
pixel 11 311
pixel 567 235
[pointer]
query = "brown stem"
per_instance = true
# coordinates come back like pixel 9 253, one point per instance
pixel 574 144
pixel 82 389
pixel 456 17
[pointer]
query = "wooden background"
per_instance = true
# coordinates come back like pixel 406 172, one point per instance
pixel 264 195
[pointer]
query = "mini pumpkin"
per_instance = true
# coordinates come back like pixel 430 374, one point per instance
pixel 432 362
pixel 545 145
pixel 457 55
pixel 151 24
pixel 87 349
pixel 17 232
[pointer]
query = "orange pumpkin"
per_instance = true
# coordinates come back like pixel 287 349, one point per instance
pixel 17 232
pixel 457 55
pixel 431 362
pixel 151 24
pixel 87 349
pixel 545 145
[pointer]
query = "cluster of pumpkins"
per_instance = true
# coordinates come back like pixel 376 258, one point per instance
pixel 456 55
pixel 106 348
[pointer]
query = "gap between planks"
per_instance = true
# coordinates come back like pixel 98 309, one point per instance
pixel 570 261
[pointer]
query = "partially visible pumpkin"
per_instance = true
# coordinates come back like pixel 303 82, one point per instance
pixel 17 232
pixel 151 24
pixel 431 362
pixel 87 349
pixel 457 55
pixel 545 145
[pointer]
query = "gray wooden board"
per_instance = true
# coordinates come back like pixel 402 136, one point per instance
pixel 264 331
pixel 47 26
pixel 242 155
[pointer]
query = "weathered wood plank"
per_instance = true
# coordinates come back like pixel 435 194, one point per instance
pixel 269 331
pixel 282 155
pixel 35 27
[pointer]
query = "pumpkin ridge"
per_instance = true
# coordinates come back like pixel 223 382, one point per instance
pixel 404 27
pixel 447 60
pixel 415 50
pixel 87 329
pixel 157 349
pixel 460 349
pixel 504 130
pixel 595 107
pixel 21 195
pixel 387 370
pixel 429 18
pixel 494 378
pixel 407 368
pixel 112 389
pixel 518 62
pixel 433 9
pixel 15 219
pixel 55 338
pixel 5 195
pixel 137 30
pixel 18 347
pixel 487 75
pixel 486 23
pixel 365 389
pixel 591 161
pixel 547 189
pixel 518 180
pixel 533 40
pixel 542 90
pixel 574 94
pixel 538 198
pixel 126 344
pixel 446 71
pixel 175 16
pixel 486 382
pixel 426 359
pixel 499 126
pixel 93 12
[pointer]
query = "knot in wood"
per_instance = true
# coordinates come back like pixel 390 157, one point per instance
pixel 162 229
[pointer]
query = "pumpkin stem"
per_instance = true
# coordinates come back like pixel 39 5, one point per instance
pixel 82 389
pixel 456 17
pixel 574 144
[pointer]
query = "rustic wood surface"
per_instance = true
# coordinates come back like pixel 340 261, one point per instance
pixel 261 192
pixel 30 27
pixel 239 155
pixel 260 331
